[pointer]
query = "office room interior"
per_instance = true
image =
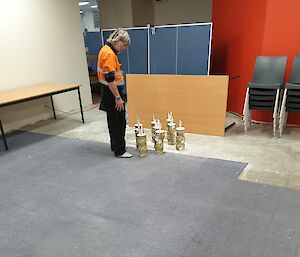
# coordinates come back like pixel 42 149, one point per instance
pixel 209 162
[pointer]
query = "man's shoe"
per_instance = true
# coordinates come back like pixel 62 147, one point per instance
pixel 125 155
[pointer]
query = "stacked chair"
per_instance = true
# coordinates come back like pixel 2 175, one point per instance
pixel 264 92
pixel 291 96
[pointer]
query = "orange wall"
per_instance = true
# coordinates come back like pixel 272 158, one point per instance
pixel 282 36
pixel 237 40
pixel 245 29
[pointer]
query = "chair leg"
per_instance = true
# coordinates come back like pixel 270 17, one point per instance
pixel 279 107
pixel 283 114
pixel 246 111
pixel 280 99
pixel 282 119
pixel 250 117
pixel 285 120
pixel 275 113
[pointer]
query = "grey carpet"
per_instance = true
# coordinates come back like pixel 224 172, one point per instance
pixel 69 198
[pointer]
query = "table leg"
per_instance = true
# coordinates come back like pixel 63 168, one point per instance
pixel 3 136
pixel 82 118
pixel 54 115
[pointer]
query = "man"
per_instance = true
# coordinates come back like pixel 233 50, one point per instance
pixel 111 76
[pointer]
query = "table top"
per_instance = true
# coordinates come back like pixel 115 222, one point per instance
pixel 27 93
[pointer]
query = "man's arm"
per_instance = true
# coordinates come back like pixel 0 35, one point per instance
pixel 113 86
pixel 110 68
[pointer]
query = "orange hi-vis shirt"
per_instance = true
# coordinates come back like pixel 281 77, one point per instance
pixel 108 64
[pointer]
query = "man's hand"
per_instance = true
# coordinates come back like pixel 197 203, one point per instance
pixel 113 86
pixel 119 104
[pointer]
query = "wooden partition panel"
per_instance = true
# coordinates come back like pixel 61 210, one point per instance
pixel 199 101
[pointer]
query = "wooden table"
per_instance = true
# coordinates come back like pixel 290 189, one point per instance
pixel 20 95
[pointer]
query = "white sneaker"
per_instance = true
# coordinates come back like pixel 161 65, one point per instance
pixel 125 155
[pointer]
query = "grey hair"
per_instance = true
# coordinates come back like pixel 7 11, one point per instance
pixel 119 35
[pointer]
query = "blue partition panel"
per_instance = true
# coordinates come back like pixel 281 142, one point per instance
pixel 138 51
pixel 93 42
pixel 106 35
pixel 182 49
pixel 124 61
pixel 163 51
pixel 193 49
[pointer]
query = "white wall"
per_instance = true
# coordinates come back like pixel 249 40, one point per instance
pixel 41 42
pixel 179 11
pixel 142 12
pixel 115 13
pixel 128 13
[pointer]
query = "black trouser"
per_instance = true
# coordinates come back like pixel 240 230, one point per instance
pixel 116 121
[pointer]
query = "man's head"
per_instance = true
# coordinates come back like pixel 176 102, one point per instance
pixel 120 39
